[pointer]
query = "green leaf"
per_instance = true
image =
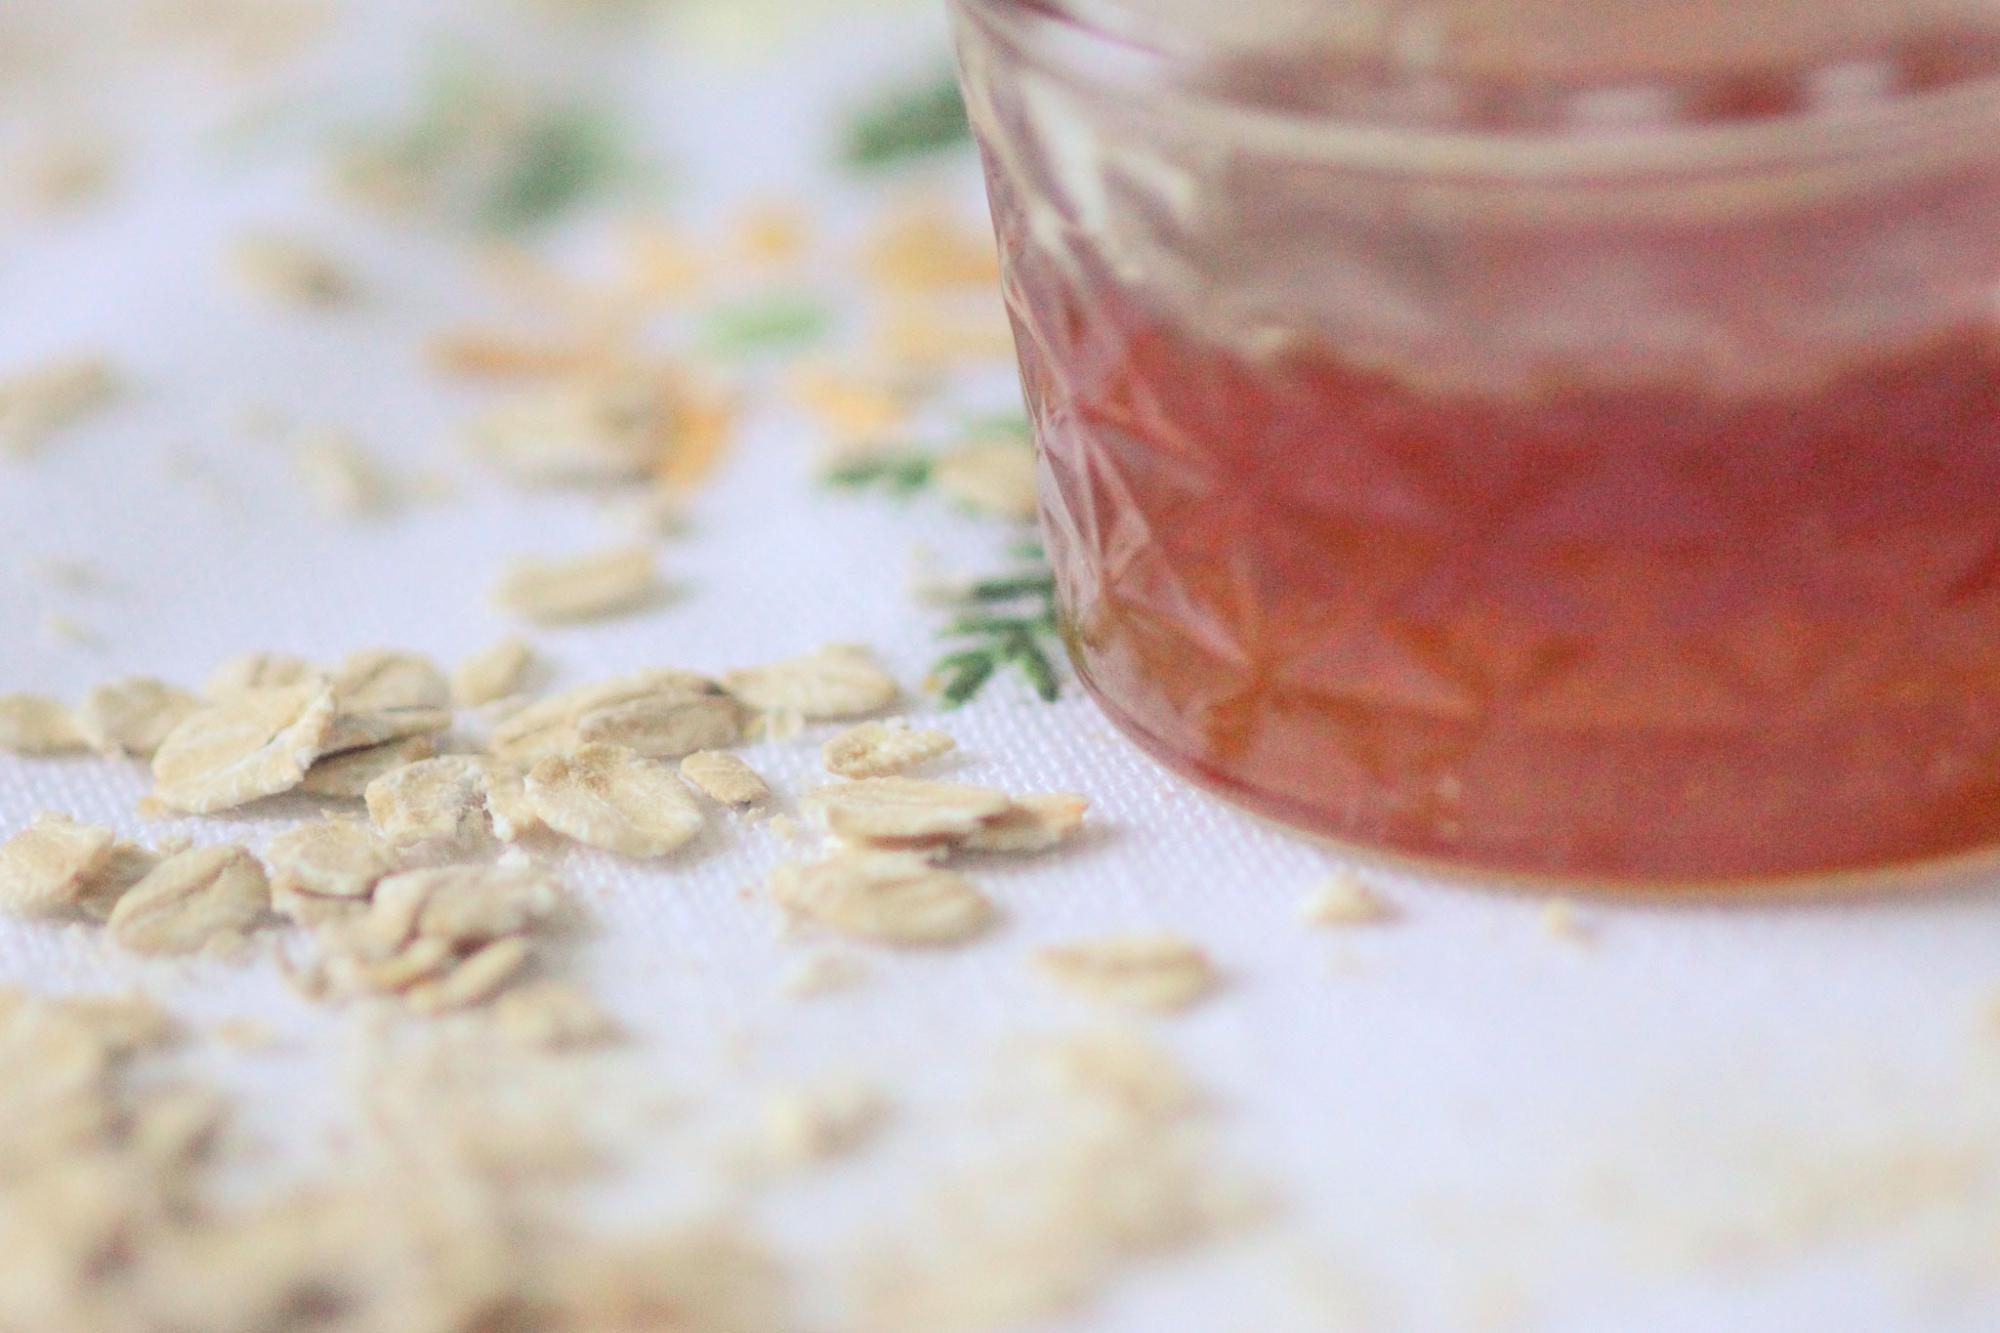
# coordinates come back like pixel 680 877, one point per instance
pixel 902 474
pixel 481 150
pixel 999 627
pixel 1013 587
pixel 966 677
pixel 915 121
pixel 780 322
pixel 563 157
pixel 999 423
pixel 1025 653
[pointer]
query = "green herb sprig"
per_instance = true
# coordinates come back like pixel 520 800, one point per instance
pixel 902 473
pixel 1007 620
pixel 1003 620
pixel 913 121
pixel 483 151
pixel 769 323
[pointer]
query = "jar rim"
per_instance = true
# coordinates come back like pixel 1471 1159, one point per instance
pixel 1050 35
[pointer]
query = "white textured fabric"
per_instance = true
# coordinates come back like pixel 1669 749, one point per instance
pixel 1707 1116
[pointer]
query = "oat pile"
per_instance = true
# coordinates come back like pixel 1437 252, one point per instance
pixel 425 890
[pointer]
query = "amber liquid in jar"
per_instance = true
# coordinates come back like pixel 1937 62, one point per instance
pixel 1729 618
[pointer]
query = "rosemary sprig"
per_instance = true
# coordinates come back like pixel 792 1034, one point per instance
pixel 564 154
pixel 1002 620
pixel 909 122
pixel 775 322
pixel 900 474
pixel 480 150
pixel 1014 625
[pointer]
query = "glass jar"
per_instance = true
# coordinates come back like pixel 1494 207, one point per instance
pixel 1557 437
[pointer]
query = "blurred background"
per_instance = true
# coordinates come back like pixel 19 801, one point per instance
pixel 318 262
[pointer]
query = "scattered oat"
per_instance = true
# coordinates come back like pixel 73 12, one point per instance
pixel 256 744
pixel 594 429
pixel 507 803
pixel 246 1034
pixel 1070 1217
pixel 1030 824
pixel 420 925
pixel 942 331
pixel 890 897
pixel 1157 972
pixel 474 980
pixel 771 233
pixel 369 729
pixel 610 797
pixel 923 249
pixel 881 749
pixel 378 679
pixel 345 776
pixel 255 671
pixel 1560 922
pixel 552 1016
pixel 900 812
pixel 852 410
pixel 64 172
pixel 290 272
pixel 133 717
pixel 663 727
pixel 34 724
pixel 432 800
pixel 128 865
pixel 501 354
pixel 61 628
pixel 390 972
pixel 780 725
pixel 816 1124
pixel 823 973
pixel 648 514
pixel 838 681
pixel 46 869
pixel 336 858
pixel 724 778
pixel 37 403
pixel 586 587
pixel 1343 901
pixel 191 899
pixel 552 725
pixel 462 906
pixel 994 477
pixel 495 673
pixel 340 476
pixel 1121 1071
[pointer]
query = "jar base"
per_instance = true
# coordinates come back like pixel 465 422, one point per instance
pixel 1965 871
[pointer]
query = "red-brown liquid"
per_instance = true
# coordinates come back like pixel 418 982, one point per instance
pixel 1666 630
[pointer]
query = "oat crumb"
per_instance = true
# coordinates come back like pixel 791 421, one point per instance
pixel 38 403
pixel 291 272
pixel 1559 921
pixel 823 973
pixel 1344 900
pixel 340 476
pixel 246 1034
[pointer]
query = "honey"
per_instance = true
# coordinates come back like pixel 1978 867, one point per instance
pixel 1706 588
